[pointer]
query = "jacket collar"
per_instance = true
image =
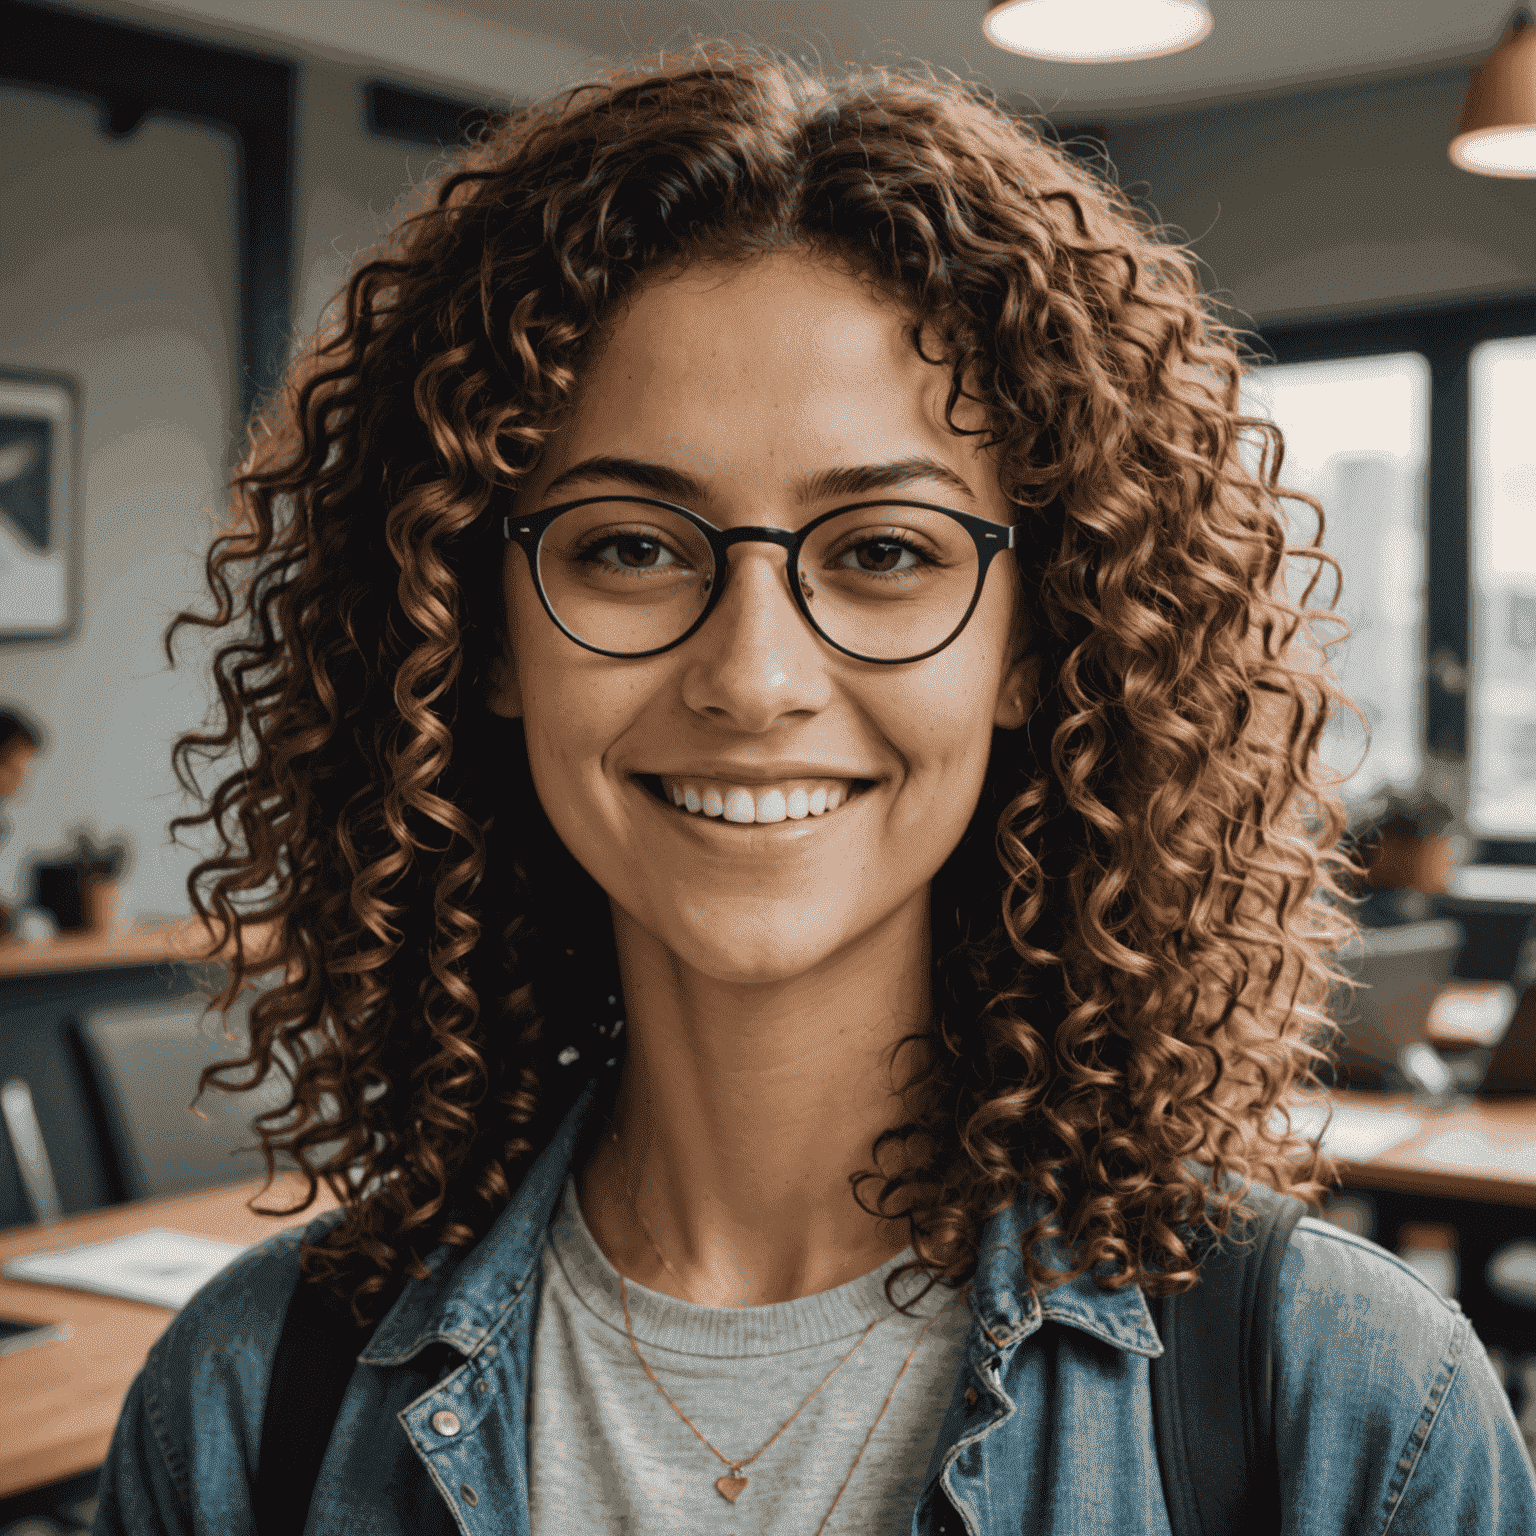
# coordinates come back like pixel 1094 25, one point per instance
pixel 466 1294
pixel 1008 1308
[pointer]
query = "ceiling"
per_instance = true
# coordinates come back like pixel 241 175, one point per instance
pixel 1258 47
pixel 509 47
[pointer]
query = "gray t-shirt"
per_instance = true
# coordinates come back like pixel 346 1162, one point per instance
pixel 609 1455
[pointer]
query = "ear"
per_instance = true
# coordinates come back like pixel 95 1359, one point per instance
pixel 1017 692
pixel 504 696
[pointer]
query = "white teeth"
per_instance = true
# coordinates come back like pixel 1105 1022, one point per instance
pixel 762 804
pixel 771 807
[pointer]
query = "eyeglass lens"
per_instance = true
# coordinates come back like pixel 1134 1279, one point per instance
pixel 887 582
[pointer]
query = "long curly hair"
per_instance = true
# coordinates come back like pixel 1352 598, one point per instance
pixel 1132 941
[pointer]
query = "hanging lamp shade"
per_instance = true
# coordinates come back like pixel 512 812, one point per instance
pixel 1496 132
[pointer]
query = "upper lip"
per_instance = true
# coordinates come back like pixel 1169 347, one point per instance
pixel 758 773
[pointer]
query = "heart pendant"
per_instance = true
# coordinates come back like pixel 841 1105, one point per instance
pixel 730 1488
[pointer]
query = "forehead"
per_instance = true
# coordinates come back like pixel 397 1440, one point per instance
pixel 786 361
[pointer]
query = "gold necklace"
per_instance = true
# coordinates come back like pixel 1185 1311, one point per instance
pixel 733 1484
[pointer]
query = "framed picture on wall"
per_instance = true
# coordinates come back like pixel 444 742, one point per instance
pixel 39 511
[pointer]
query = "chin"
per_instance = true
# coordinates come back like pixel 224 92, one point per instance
pixel 742 950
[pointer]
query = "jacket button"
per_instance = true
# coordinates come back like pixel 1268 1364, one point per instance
pixel 446 1422
pixel 970 1397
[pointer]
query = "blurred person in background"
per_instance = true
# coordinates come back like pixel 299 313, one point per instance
pixel 20 743
pixel 758 670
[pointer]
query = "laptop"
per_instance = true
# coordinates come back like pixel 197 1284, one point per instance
pixel 1512 1067
pixel 1403 969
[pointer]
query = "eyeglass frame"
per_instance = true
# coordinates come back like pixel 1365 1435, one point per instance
pixel 990 539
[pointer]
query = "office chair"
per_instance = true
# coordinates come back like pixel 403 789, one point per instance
pixel 144 1060
pixel 27 1190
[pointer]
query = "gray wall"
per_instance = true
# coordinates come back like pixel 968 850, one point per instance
pixel 118 268
pixel 1334 202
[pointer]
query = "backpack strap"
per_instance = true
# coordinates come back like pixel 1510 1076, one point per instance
pixel 1213 1386
pixel 316 1354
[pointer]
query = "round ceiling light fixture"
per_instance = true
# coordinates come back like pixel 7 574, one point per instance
pixel 1496 132
pixel 1096 31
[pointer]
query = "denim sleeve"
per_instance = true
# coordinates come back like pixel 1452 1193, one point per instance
pixel 1474 1474
pixel 1388 1416
pixel 143 1485
pixel 184 1455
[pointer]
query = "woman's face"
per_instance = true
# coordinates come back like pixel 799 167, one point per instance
pixel 747 381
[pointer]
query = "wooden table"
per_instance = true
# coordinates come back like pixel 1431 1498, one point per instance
pixel 184 942
pixel 1504 1124
pixel 59 1402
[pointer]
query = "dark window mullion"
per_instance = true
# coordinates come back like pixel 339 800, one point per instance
pixel 1448 595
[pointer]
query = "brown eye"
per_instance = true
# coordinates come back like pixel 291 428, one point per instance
pixel 881 554
pixel 636 552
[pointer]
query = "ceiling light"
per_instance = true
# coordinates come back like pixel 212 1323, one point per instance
pixel 1096 31
pixel 1496 132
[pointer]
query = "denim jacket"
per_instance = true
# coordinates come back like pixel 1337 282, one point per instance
pixel 1388 1415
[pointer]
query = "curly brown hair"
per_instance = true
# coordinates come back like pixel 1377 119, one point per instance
pixel 1131 941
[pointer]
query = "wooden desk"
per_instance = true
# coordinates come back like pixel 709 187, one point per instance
pixel 1503 1124
pixel 184 942
pixel 143 944
pixel 61 1401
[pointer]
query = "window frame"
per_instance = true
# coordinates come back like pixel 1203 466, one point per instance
pixel 1446 335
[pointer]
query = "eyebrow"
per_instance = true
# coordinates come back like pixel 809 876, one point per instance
pixel 675 484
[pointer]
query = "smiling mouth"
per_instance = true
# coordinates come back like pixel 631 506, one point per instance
pixel 744 805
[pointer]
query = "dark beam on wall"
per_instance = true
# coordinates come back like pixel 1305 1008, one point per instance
pixel 131 72
pixel 420 117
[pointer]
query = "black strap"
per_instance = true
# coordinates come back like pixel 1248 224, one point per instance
pixel 1213 1387
pixel 316 1355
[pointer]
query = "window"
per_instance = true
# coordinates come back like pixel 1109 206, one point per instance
pixel 1501 531
pixel 1357 438
pixel 1414 429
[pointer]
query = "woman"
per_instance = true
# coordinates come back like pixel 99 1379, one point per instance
pixel 764 672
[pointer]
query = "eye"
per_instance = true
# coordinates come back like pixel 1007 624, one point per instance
pixel 633 552
pixel 888 554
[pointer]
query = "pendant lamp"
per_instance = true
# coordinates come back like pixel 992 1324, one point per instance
pixel 1496 132
pixel 1096 31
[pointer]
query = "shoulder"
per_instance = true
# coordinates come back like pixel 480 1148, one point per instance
pixel 207 1375
pixel 1348 1286
pixel 1387 1412
pixel 186 1446
pixel 1354 1320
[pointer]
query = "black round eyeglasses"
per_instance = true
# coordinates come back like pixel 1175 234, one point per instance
pixel 888 581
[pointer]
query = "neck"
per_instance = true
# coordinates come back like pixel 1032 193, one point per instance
pixel 741 1112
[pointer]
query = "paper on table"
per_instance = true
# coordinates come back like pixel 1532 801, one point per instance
pixel 1353 1133
pixel 1471 1149
pixel 156 1265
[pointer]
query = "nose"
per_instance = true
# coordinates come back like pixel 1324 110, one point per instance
pixel 756 661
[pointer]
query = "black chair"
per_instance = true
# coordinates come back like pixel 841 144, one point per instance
pixel 144 1059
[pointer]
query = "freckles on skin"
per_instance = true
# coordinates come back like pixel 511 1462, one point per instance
pixel 751 382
